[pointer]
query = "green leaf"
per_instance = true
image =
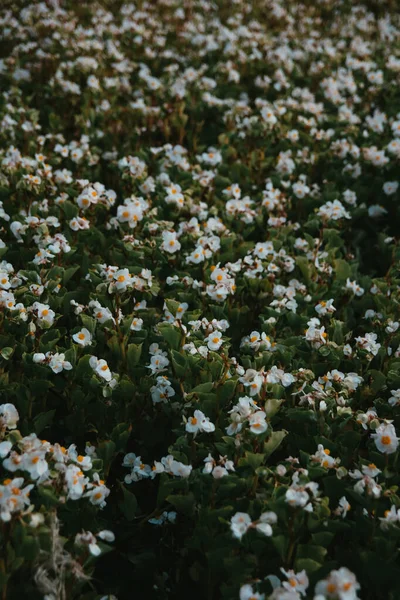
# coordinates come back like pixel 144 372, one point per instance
pixel 83 370
pixel 274 441
pixel 378 380
pixel 70 272
pixel 252 460
pixel 272 406
pixel 172 306
pixel 43 420
pixel 120 435
pixel 301 415
pixel 316 553
pixel 88 322
pixel 171 334
pixel 323 538
pixel 304 267
pixel 342 269
pixel 281 543
pixel 226 391
pixel 308 564
pixel 48 496
pixel 30 548
pixel 133 354
pixel 106 451
pixel 71 210
pixel 7 352
pixel 179 362
pixel 203 388
pixel 216 365
pixel 183 504
pixel 129 504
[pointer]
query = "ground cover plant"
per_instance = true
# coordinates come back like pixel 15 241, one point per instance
pixel 199 291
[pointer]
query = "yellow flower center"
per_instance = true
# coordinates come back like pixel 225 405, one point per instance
pixel 347 586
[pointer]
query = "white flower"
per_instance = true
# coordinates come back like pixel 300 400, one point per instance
pixel 253 381
pixel 86 538
pixel 301 495
pixel 369 343
pixel 101 368
pixel 212 157
pixel 300 189
pixel 214 340
pixel 276 375
pixel 394 400
pixel 258 423
pixel 347 350
pixel 83 337
pixel 36 519
pixel 5 448
pixel 385 438
pixel 84 462
pixel 341 584
pixel 199 422
pixel 333 210
pixel 263 525
pixel 240 523
pixel 391 517
pixel 97 495
pixel 35 463
pixel 390 187
pixel 352 381
pixel 44 313
pixel 343 508
pixel 170 243
pixel 9 415
pixel 136 324
pixel 315 334
pixel 247 593
pixel 324 307
pixel 392 326
pixel 157 363
pixel 58 363
pixel 297 582
pixel 268 116
pixel 354 287
pixel 162 391
pixel 106 535
pixel 122 280
pixel 323 457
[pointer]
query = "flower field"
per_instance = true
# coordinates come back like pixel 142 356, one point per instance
pixel 200 300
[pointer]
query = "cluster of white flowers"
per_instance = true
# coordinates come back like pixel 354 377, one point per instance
pixel 167 464
pixel 242 522
pixel 198 209
pixel 52 466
